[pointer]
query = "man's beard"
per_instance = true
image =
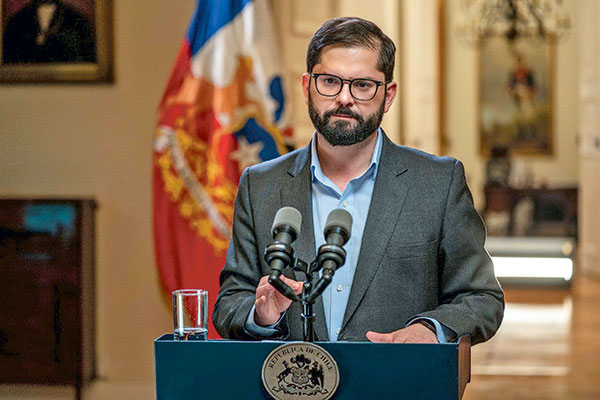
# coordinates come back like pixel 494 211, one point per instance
pixel 340 133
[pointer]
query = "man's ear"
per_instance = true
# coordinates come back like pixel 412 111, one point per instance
pixel 305 86
pixel 390 95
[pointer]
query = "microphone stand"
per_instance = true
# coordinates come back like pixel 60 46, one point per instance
pixel 327 252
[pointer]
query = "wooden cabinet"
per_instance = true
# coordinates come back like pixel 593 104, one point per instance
pixel 553 211
pixel 47 291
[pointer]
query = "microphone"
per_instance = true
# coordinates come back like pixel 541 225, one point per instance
pixel 279 254
pixel 332 255
pixel 286 225
pixel 337 233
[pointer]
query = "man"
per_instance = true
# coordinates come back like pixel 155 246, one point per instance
pixel 48 31
pixel 416 269
pixel 523 89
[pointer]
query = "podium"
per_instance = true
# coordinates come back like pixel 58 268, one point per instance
pixel 226 369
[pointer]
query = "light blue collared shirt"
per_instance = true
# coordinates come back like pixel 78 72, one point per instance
pixel 355 199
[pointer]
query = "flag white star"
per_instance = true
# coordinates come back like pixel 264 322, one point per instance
pixel 247 153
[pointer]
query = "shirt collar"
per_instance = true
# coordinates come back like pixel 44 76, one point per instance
pixel 315 165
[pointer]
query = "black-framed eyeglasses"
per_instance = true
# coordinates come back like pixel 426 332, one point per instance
pixel 362 89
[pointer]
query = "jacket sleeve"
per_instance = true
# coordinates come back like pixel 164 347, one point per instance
pixel 241 273
pixel 471 300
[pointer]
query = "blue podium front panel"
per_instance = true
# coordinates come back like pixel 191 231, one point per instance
pixel 224 369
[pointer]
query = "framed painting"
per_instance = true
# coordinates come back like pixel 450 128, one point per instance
pixel 55 41
pixel 516 95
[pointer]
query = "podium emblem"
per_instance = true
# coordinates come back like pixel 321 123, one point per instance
pixel 300 370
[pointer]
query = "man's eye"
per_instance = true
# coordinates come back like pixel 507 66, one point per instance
pixel 330 81
pixel 363 84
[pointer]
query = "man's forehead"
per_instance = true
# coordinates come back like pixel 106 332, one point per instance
pixel 348 49
pixel 349 62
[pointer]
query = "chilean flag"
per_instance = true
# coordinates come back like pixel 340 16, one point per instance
pixel 223 109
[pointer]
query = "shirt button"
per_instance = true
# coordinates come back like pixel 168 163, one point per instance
pixel 345 203
pixel 339 288
pixel 338 331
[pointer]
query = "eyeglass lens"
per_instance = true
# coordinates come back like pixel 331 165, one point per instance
pixel 360 89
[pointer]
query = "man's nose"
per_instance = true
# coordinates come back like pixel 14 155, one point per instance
pixel 344 97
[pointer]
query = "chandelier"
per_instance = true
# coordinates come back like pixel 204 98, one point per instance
pixel 512 19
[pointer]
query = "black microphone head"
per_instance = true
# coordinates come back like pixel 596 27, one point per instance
pixel 339 219
pixel 287 216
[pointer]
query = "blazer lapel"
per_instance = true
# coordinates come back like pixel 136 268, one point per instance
pixel 387 201
pixel 297 192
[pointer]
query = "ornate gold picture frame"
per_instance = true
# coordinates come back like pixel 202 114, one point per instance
pixel 55 41
pixel 516 95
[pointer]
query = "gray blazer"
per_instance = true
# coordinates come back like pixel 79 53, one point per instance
pixel 422 251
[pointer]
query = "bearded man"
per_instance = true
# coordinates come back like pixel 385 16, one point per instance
pixel 416 269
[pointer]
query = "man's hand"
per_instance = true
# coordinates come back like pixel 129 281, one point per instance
pixel 414 333
pixel 269 303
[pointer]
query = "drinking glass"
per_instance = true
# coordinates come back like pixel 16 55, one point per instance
pixel 190 314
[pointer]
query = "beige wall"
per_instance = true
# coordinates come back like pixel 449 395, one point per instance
pixel 420 61
pixel 96 140
pixel 589 129
pixel 461 81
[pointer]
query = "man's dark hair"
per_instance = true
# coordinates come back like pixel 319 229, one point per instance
pixel 353 32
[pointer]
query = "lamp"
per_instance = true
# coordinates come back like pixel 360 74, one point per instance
pixel 512 19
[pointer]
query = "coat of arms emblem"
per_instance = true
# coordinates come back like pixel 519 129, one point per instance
pixel 300 370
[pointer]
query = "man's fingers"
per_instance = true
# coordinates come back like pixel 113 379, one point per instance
pixel 415 333
pixel 264 289
pixel 269 303
pixel 262 304
pixel 263 285
pixel 377 337
pixel 260 301
pixel 295 285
